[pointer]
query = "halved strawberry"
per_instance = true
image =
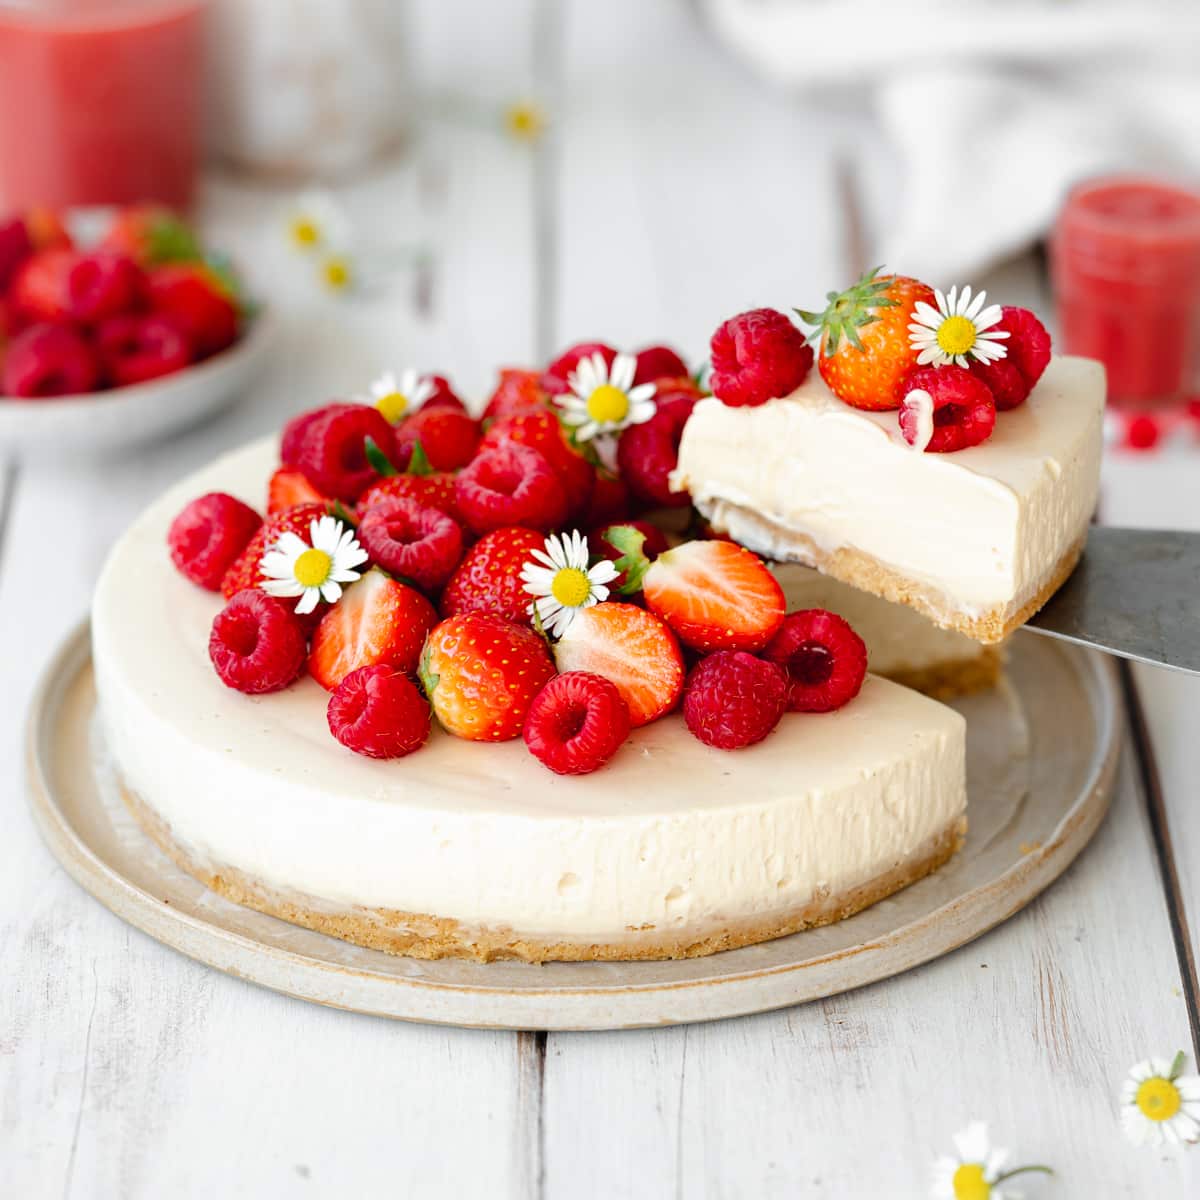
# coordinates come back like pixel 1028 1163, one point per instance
pixel 632 648
pixel 378 620
pixel 289 489
pixel 245 571
pixel 714 595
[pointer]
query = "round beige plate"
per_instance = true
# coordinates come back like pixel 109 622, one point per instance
pixel 1041 757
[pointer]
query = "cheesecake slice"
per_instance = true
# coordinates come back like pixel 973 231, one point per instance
pixel 976 540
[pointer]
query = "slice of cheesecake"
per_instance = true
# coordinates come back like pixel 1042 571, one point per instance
pixel 976 540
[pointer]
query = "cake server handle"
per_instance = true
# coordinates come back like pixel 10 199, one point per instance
pixel 1136 594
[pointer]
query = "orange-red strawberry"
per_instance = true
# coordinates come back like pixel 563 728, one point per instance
pixel 151 234
pixel 632 648
pixel 290 489
pixel 715 595
pixel 518 391
pixel 378 620
pixel 245 571
pixel 865 350
pixel 481 672
pixel 489 577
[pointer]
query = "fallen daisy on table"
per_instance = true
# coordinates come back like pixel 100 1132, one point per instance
pixel 314 570
pixel 976 1171
pixel 1160 1105
pixel 563 583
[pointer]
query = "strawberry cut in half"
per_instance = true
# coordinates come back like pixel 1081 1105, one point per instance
pixel 633 649
pixel 715 595
pixel 377 621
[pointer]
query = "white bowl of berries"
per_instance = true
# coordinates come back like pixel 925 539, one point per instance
pixel 120 339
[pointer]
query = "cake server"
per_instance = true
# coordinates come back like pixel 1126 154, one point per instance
pixel 1136 594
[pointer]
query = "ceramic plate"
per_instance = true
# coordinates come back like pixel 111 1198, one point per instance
pixel 1041 759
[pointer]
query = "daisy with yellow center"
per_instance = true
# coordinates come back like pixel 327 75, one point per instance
pixel 398 398
pixel 524 121
pixel 562 582
pixel 314 570
pixel 603 399
pixel 976 1171
pixel 1160 1104
pixel 958 330
pixel 316 222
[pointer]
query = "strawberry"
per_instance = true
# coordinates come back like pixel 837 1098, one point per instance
pixel 541 429
pixel 610 500
pixel 46 229
pixel 517 391
pixel 865 350
pixel 444 396
pixel 15 247
pixel 489 577
pixel 481 672
pixel 200 300
pixel 151 234
pixel 715 595
pixel 653 543
pixel 377 621
pixel 649 452
pixel 40 289
pixel 449 437
pixel 435 490
pixel 290 489
pixel 245 573
pixel 630 647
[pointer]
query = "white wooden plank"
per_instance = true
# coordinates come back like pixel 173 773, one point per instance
pixel 125 1069
pixel 1031 1028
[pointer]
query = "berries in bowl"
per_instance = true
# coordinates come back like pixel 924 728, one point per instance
pixel 116 329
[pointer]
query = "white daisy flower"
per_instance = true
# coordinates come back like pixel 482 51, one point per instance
pixel 316 222
pixel 1160 1104
pixel 314 570
pixel 976 1171
pixel 959 329
pixel 603 399
pixel 397 398
pixel 563 583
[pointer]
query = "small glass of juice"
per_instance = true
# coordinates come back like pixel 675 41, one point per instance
pixel 1125 258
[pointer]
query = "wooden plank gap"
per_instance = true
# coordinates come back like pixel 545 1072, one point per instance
pixel 531 1123
pixel 1160 830
pixel 548 43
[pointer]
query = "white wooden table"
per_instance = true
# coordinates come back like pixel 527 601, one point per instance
pixel 673 191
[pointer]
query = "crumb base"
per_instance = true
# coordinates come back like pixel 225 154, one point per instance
pixel 955 677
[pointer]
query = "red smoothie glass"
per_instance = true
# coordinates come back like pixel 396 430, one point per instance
pixel 1125 255
pixel 100 101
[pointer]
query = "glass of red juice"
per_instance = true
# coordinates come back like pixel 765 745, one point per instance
pixel 100 102
pixel 1125 256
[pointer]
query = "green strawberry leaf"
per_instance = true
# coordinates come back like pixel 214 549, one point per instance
pixel 429 680
pixel 633 561
pixel 377 458
pixel 419 464
pixel 338 509
pixel 172 240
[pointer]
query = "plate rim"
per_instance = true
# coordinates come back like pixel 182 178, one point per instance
pixel 202 940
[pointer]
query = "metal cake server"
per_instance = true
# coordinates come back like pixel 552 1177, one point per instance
pixel 1136 594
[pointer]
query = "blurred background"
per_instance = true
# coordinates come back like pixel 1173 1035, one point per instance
pixel 458 186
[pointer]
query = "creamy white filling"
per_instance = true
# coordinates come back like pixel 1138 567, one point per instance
pixel 671 834
pixel 984 527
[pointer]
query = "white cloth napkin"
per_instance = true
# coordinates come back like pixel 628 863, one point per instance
pixel 992 109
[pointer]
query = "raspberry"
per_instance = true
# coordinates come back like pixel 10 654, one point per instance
pixel 517 391
pixel 15 247
pixel 542 430
pixel 378 711
pixel 652 547
pixel 1028 343
pixel 489 577
pixel 758 356
pixel 576 723
pixel 208 535
pixel 48 360
pixel 296 430
pixel 257 644
pixel 510 485
pixel 1005 381
pixel 825 660
pixel 556 377
pixel 244 571
pixel 610 501
pixel 448 436
pixel 414 542
pixel 134 349
pixel 964 412
pixel 432 491
pixel 733 699
pixel 103 284
pixel 648 453
pixel 333 453
pixel 658 362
